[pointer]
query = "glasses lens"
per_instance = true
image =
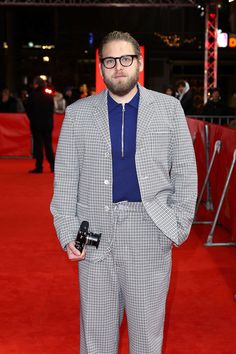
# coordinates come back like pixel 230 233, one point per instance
pixel 126 60
pixel 109 63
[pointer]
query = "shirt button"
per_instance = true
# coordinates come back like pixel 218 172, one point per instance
pixel 107 154
pixel 106 208
pixel 106 181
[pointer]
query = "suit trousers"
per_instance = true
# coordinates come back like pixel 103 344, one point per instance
pixel 43 139
pixel 133 277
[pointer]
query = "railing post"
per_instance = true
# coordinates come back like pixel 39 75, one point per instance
pixel 209 204
pixel 210 236
pixel 217 148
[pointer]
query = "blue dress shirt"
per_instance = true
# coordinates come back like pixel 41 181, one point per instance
pixel 123 142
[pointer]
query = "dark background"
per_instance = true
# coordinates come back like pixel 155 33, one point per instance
pixel 72 61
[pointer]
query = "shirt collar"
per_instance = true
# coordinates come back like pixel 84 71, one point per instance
pixel 112 104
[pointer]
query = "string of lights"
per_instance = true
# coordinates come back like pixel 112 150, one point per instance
pixel 175 40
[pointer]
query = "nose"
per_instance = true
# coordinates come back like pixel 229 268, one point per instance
pixel 118 65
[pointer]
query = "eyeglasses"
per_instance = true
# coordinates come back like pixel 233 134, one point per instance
pixel 125 60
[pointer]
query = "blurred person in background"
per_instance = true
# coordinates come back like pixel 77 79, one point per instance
pixel 215 106
pixel 59 102
pixel 24 95
pixel 92 91
pixel 70 96
pixel 169 90
pixel 8 103
pixel 232 103
pixel 83 91
pixel 40 109
pixel 185 96
pixel 232 106
pixel 22 100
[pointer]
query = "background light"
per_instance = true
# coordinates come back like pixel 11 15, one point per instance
pixel 46 59
pixel 43 77
pixel 48 91
pixel 222 39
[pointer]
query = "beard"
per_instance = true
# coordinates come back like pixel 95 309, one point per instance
pixel 121 87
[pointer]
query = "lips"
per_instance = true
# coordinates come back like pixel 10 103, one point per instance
pixel 119 76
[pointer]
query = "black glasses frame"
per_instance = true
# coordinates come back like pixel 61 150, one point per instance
pixel 119 58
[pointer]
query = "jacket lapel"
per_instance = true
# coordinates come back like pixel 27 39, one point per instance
pixel 101 117
pixel 145 113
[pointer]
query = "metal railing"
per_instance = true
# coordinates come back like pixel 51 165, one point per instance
pixel 221 120
pixel 206 184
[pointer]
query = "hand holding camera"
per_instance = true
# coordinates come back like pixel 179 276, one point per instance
pixel 84 237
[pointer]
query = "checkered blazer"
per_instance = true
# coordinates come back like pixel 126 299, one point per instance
pixel 165 164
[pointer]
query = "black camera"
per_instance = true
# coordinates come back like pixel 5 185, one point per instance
pixel 85 237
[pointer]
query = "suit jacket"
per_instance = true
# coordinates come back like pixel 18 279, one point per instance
pixel 187 103
pixel 165 164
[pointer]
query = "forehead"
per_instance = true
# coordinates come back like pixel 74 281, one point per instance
pixel 117 48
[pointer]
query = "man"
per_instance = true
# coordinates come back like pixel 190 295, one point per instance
pixel 185 95
pixel 125 163
pixel 40 109
pixel 8 104
pixel 215 107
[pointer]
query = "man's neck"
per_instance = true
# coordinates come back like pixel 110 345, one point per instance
pixel 124 99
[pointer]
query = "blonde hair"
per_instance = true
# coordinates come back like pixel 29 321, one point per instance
pixel 119 36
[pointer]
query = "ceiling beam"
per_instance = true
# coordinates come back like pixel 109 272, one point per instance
pixel 99 3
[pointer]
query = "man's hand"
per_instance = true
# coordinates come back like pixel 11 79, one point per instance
pixel 73 253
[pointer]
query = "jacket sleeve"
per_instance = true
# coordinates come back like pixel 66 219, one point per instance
pixel 183 175
pixel 66 177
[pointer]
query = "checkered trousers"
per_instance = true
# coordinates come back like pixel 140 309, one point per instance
pixel 135 277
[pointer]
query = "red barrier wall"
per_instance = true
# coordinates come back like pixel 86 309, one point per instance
pixel 196 128
pixel 15 137
pixel 220 169
pixel 219 174
pixel 15 141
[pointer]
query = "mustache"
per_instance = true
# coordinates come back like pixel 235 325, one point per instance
pixel 119 74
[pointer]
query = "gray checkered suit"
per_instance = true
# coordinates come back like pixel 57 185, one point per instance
pixel 131 267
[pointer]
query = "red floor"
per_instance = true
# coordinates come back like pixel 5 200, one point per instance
pixel 39 297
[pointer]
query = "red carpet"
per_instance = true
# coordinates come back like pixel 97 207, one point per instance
pixel 39 297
